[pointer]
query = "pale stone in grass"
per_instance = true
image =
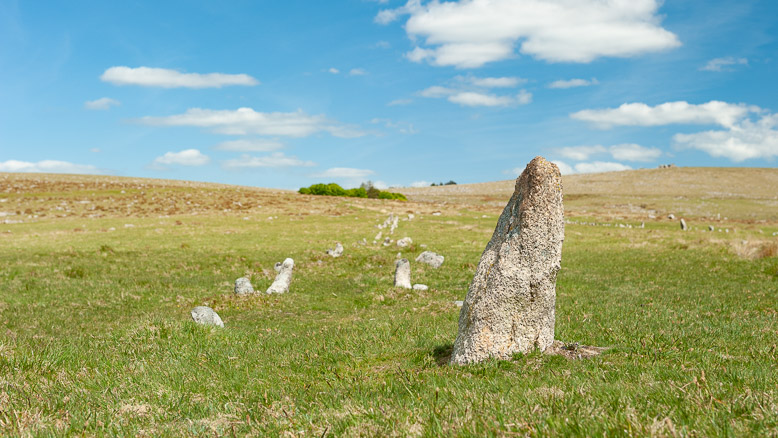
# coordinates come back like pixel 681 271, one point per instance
pixel 419 286
pixel 206 316
pixel 402 274
pixel 388 241
pixel 337 251
pixel 379 235
pixel 509 307
pixel 671 216
pixel 283 278
pixel 430 258
pixel 683 225
pixel 711 228
pixel 459 303
pixel 404 242
pixel 243 286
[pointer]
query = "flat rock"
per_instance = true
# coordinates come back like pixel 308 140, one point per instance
pixel 431 258
pixel 206 316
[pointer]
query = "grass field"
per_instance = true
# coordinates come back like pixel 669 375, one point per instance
pixel 98 274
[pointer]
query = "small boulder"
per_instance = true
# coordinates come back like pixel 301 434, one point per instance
pixel 337 252
pixel 420 287
pixel 283 278
pixel 430 258
pixel 404 242
pixel 206 316
pixel 711 228
pixel 243 286
pixel 402 274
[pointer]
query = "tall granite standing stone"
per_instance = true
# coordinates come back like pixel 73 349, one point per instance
pixel 509 307
pixel 402 274
pixel 283 278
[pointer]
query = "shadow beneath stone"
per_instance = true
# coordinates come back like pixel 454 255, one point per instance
pixel 442 354
pixel 573 350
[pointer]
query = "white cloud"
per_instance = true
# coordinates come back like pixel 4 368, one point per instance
pixel 501 82
pixel 250 145
pixel 470 33
pixel 244 121
pixel 166 78
pixel 723 64
pixel 581 153
pixel 600 166
pixel 277 159
pixel 357 72
pixel 634 152
pixel 48 166
pixel 472 91
pixel 187 157
pixel 524 97
pixel 402 127
pixel 382 45
pixel 564 168
pixel 400 102
pixel 420 184
pixel 470 98
pixel 640 114
pixel 343 173
pixel 744 141
pixel 572 83
pixel 333 70
pixel 101 104
pixel 436 91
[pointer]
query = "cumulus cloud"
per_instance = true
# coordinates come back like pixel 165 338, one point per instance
pixel 476 97
pixel 744 141
pixel 244 121
pixel 634 152
pixel 343 173
pixel 501 82
pixel 572 83
pixel 101 104
pixel 580 153
pixel 723 64
pixel 274 160
pixel 166 78
pixel 49 166
pixel 640 114
pixel 471 33
pixel 187 157
pixel 250 145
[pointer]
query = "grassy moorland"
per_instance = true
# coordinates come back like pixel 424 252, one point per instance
pixel 98 274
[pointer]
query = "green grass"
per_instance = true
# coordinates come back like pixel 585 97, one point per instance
pixel 97 340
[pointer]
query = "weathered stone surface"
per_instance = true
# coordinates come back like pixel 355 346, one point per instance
pixel 404 242
pixel 388 241
pixel 671 216
pixel 206 316
pixel 683 225
pixel 283 278
pixel 402 274
pixel 430 258
pixel 510 305
pixel 419 286
pixel 711 228
pixel 243 286
pixel 337 251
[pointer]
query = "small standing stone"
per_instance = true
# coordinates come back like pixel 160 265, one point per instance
pixel 430 258
pixel 402 274
pixel 671 216
pixel 683 225
pixel 337 252
pixel 243 286
pixel 711 228
pixel 419 286
pixel 283 278
pixel 206 316
pixel 404 242
pixel 510 305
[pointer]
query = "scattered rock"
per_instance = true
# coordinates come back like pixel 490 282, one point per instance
pixel 379 235
pixel 671 216
pixel 283 278
pixel 683 225
pixel 337 252
pixel 459 303
pixel 510 305
pixel 420 287
pixel 411 216
pixel 402 274
pixel 430 258
pixel 404 242
pixel 388 241
pixel 711 228
pixel 206 316
pixel 243 286
pixel 437 213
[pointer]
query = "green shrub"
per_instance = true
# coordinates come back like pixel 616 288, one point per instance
pixel 366 190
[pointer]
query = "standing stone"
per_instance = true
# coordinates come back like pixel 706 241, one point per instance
pixel 430 258
pixel 402 274
pixel 243 286
pixel 711 228
pixel 671 216
pixel 683 225
pixel 206 316
pixel 509 307
pixel 283 278
pixel 337 252
pixel 404 242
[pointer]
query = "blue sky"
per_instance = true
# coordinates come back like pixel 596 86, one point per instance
pixel 286 94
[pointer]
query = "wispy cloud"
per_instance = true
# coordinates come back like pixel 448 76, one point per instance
pixel 333 70
pixel 471 95
pixel 187 157
pixel 250 145
pixel 101 104
pixel 498 82
pixel 572 83
pixel 357 72
pixel 580 153
pixel 343 173
pixel 640 114
pixel 166 78
pixel 245 121
pixel 400 102
pixel 49 166
pixel 587 167
pixel 402 127
pixel 274 160
pixel 469 34
pixel 634 152
pixel 724 64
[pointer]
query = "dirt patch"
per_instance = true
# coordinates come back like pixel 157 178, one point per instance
pixel 574 350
